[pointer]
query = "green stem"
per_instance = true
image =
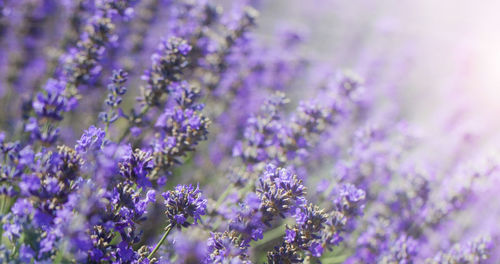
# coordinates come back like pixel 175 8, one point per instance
pixel 270 235
pixel 106 129
pixel 223 196
pixel 4 198
pixel 219 201
pixel 60 254
pixel 4 201
pixel 334 259
pixel 167 231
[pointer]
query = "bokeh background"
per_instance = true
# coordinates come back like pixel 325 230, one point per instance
pixel 442 58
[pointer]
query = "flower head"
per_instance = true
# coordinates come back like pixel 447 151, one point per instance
pixel 52 103
pixel 136 166
pixel 184 203
pixel 91 139
pixel 280 192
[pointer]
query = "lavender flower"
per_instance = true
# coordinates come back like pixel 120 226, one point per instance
pixel 92 139
pixel 114 99
pixel 226 248
pixel 280 193
pixel 82 62
pixel 258 119
pixel 183 204
pixel 475 251
pixel 168 64
pixel 136 166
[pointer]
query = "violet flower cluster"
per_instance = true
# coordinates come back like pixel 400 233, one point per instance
pixel 169 131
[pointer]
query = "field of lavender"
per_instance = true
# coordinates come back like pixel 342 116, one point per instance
pixel 242 131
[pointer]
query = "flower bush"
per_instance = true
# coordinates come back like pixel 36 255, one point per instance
pixel 168 131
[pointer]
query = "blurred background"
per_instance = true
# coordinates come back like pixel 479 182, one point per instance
pixel 441 58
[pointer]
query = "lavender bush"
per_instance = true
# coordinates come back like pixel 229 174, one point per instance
pixel 169 131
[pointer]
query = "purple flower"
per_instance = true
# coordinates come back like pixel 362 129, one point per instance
pixel 403 250
pixel 474 251
pixel 135 131
pixel 52 186
pixel 42 219
pixel 47 244
pixel 290 236
pixel 247 218
pixel 316 249
pixel 92 139
pixel 116 90
pixel 184 203
pixel 26 254
pixel 22 208
pixel 179 219
pixel 26 156
pixel 213 79
pixel 151 196
pixel 280 192
pixel 168 64
pixel 125 252
pixel 136 166
pixel 53 103
pixel 224 248
pixel 29 184
pixel 349 199
pixel 12 230
pixel 184 48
